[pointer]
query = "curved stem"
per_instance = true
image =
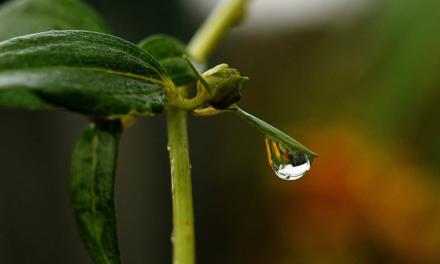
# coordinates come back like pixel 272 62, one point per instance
pixel 227 13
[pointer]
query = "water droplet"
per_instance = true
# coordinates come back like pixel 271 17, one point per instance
pixel 288 164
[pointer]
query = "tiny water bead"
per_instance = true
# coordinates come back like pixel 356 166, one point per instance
pixel 288 164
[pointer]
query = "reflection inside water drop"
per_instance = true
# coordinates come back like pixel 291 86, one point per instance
pixel 288 164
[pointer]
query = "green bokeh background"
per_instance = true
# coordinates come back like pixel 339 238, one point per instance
pixel 364 95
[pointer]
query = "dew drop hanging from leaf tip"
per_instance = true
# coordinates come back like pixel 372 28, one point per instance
pixel 288 164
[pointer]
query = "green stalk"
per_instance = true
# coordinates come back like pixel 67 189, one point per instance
pixel 227 13
pixel 183 220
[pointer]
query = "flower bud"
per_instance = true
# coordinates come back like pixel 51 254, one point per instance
pixel 226 84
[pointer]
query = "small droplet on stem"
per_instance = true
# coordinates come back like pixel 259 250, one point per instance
pixel 287 163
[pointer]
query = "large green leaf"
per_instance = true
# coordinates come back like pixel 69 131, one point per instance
pixel 169 52
pixel 92 179
pixel 88 72
pixel 21 17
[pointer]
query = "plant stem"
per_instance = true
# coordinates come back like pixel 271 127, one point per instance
pixel 183 220
pixel 227 13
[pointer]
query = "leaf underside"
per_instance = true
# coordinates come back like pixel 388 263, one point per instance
pixel 88 72
pixel 92 179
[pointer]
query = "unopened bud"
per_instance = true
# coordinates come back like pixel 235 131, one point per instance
pixel 226 84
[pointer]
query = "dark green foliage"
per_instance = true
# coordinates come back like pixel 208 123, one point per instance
pixel 92 179
pixel 88 72
pixel 21 17
pixel 23 99
pixel 106 78
pixel 169 52
pixel 163 47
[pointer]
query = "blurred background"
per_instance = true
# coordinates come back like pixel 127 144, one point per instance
pixel 355 80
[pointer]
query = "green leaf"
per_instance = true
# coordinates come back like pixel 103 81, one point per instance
pixel 272 132
pixel 88 72
pixel 163 47
pixel 92 180
pixel 169 52
pixel 21 17
pixel 23 99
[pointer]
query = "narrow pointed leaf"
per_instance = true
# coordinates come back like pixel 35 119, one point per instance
pixel 169 52
pixel 92 179
pixel 88 72
pixel 21 17
pixel 272 132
